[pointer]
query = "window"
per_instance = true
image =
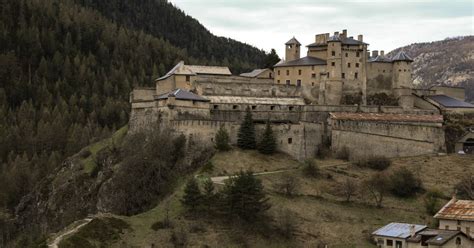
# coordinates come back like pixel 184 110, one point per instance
pixel 458 240
pixel 290 140
pixel 278 81
pixel 254 107
pixel 312 83
pixel 291 108
pixel 216 106
pixel 313 75
pixel 398 244
pixel 383 71
pixel 271 76
pixel 347 55
pixel 327 75
pixel 333 63
pixel 446 227
pixel 349 65
pixel 287 72
pixel 235 107
pixel 405 70
pixel 299 72
pixel 272 107
pixel 399 70
pixel 333 53
pixel 288 82
pixel 357 65
pixel 278 72
pixel 188 78
pixel 389 242
pixel 357 54
pixel 298 82
pixel 343 75
pixel 356 75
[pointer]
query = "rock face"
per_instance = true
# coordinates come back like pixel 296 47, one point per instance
pixel 447 62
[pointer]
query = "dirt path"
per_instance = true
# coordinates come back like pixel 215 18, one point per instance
pixel 58 239
pixel 220 180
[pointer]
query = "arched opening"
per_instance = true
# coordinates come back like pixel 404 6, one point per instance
pixel 468 146
pixel 458 241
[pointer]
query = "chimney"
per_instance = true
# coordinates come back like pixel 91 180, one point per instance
pixel 382 53
pixel 412 231
pixel 336 34
pixel 375 53
pixel 360 38
pixel 326 37
pixel 344 33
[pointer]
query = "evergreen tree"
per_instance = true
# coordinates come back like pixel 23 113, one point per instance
pixel 244 196
pixel 246 135
pixel 222 139
pixel 268 143
pixel 271 59
pixel 192 197
pixel 208 194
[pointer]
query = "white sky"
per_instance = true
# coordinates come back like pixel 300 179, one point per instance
pixel 385 24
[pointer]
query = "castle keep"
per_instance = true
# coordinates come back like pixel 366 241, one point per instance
pixel 338 95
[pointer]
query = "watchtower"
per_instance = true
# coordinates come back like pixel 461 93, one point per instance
pixel 292 49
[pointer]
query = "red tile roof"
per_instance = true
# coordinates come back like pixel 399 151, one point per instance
pixel 387 117
pixel 457 210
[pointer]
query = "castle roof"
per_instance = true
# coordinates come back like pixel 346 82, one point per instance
pixel 305 61
pixel 450 102
pixel 383 117
pixel 381 59
pixel 457 210
pixel 181 94
pixel 343 40
pixel 253 73
pixel 182 69
pixel 402 56
pixel 293 41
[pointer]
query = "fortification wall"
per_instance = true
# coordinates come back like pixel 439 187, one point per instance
pixel 386 139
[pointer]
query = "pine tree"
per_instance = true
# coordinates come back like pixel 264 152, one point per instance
pixel 208 194
pixel 268 143
pixel 192 197
pixel 246 135
pixel 244 196
pixel 222 139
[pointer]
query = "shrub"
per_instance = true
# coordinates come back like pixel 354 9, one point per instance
pixel 323 152
pixel 431 201
pixel 377 187
pixel 376 163
pixel 310 169
pixel 286 223
pixel 343 153
pixel 348 188
pixel 288 185
pixel 404 183
pixel 164 224
pixel 85 153
pixel 465 187
pixel 222 139
pixel 208 167
pixel 179 237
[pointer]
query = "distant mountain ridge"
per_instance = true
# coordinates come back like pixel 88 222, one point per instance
pixel 446 62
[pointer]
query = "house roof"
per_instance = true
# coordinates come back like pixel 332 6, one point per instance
pixel 450 102
pixel 305 61
pixel 181 94
pixel 386 117
pixel 253 73
pixel 398 230
pixel 440 237
pixel 402 56
pixel 457 210
pixel 293 41
pixel 182 69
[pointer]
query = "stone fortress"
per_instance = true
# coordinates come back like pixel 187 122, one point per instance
pixel 339 96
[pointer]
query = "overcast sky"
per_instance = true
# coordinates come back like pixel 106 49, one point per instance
pixel 385 24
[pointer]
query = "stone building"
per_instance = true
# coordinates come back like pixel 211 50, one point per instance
pixel 311 102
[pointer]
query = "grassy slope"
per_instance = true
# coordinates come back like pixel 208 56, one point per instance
pixel 321 213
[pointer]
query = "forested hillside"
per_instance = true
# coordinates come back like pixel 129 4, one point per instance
pixel 445 62
pixel 66 72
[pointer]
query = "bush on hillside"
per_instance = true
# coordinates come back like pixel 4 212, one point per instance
pixel 310 169
pixel 431 201
pixel 404 183
pixel 343 153
pixel 465 187
pixel 379 163
pixel 287 185
pixel 377 187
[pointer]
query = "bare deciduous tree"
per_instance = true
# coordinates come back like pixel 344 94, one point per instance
pixel 377 186
pixel 348 188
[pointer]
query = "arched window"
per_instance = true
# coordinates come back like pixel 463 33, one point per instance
pixel 458 240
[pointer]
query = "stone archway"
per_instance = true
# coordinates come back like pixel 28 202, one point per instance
pixel 468 146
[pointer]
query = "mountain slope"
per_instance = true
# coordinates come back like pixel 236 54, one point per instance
pixel 446 62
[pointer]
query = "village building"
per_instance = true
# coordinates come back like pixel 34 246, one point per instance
pixel 456 220
pixel 310 102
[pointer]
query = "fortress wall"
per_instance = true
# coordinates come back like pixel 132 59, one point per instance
pixel 142 94
pixel 387 139
pixel 246 89
pixel 141 118
pixel 298 140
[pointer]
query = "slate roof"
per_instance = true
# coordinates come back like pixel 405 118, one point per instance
pixel 346 40
pixel 397 230
pixel 293 41
pixel 450 102
pixel 253 73
pixel 402 56
pixel 387 117
pixel 302 62
pixel 182 69
pixel 181 94
pixel 380 58
pixel 440 237
pixel 457 210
